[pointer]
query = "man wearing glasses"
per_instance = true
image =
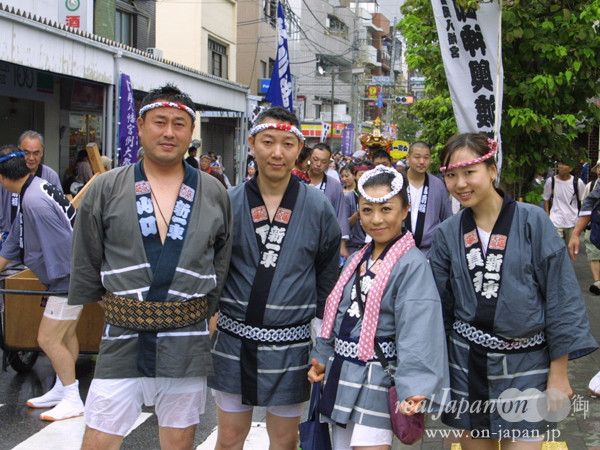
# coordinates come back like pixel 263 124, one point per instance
pixel 32 144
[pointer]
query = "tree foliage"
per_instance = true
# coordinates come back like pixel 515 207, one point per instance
pixel 551 74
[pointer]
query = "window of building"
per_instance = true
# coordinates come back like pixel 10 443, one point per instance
pixel 263 69
pixel 271 67
pixel 335 26
pixel 218 59
pixel 270 8
pixel 124 27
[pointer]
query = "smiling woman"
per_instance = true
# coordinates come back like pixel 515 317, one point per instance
pixel 509 324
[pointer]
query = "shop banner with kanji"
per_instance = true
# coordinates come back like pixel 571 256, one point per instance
pixel 469 44
pixel 128 136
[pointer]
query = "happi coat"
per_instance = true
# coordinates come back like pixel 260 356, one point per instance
pixel 537 291
pixel 411 321
pixel 358 236
pixel 306 271
pixel 437 210
pixel 45 222
pixel 109 255
pixel 9 200
pixel 333 190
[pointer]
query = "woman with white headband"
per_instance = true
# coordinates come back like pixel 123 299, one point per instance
pixel 397 308
pixel 513 309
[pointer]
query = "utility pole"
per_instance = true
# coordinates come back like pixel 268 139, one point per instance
pixel 332 98
pixel 355 94
pixel 392 74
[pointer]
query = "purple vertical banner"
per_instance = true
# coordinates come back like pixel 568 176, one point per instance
pixel 128 136
pixel 347 140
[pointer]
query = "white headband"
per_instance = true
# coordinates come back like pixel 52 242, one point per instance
pixel 150 106
pixel 276 126
pixel 397 183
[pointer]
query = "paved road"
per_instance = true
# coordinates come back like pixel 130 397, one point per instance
pixel 21 428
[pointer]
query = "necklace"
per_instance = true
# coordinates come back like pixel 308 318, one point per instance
pixel 159 210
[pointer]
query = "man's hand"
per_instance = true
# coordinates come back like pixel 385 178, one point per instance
pixel 574 242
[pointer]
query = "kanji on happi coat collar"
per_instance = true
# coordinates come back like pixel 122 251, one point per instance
pixel 163 257
pixel 485 272
pixel 418 233
pixel 270 236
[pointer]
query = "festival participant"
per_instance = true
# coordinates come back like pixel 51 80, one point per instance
pixel 358 238
pixel 251 170
pixel 513 309
pixel 302 164
pixel 331 188
pixel 32 144
pixel 347 178
pixel 399 299
pixel 152 241
pixel 40 237
pixel 427 195
pixel 284 263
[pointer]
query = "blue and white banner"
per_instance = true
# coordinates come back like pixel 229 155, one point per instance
pixel 469 41
pixel 128 136
pixel 280 90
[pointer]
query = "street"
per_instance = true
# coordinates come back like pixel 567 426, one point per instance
pixel 21 428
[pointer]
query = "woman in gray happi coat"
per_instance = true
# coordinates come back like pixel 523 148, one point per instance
pixel 513 309
pixel 406 314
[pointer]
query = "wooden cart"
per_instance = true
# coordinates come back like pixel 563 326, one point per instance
pixel 21 318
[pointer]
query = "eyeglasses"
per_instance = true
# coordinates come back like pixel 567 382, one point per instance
pixel 35 154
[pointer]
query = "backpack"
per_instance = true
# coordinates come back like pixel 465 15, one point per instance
pixel 575 189
pixel 595 231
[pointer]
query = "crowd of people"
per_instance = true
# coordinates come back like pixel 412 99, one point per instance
pixel 301 274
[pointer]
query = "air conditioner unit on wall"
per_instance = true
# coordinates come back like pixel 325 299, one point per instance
pixel 157 53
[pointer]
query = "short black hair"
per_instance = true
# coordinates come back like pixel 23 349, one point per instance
pixel 420 144
pixel 14 168
pixel 170 93
pixel 382 154
pixel 323 146
pixel 278 113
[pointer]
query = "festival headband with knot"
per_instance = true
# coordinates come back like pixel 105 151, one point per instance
pixel 397 183
pixel 150 106
pixel 276 126
pixel 492 145
pixel 11 156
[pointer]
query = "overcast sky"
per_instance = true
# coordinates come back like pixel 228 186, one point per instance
pixel 390 8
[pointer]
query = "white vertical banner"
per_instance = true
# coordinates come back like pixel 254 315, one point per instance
pixel 325 127
pixel 470 45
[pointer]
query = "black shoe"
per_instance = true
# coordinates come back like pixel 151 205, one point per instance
pixel 595 289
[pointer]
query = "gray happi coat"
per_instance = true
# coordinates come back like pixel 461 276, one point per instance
pixel 305 274
pixel 47 233
pixel 411 314
pixel 538 292
pixel 109 255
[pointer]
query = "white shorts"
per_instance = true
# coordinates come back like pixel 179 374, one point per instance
pixel 57 308
pixel 113 405
pixel 233 403
pixel 357 435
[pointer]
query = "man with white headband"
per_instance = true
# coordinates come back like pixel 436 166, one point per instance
pixel 40 237
pixel 152 242
pixel 283 265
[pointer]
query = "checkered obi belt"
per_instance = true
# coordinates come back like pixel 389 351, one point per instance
pixel 347 348
pixel 264 335
pixel 494 343
pixel 152 316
